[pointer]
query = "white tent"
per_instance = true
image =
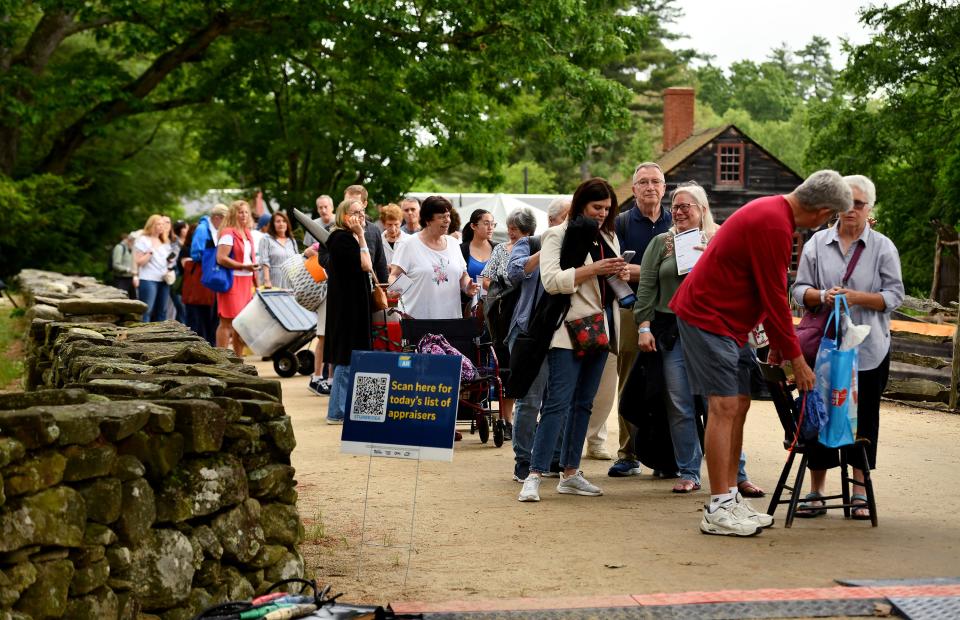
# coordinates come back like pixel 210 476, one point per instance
pixel 502 205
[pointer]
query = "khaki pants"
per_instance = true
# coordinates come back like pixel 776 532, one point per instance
pixel 603 404
pixel 628 354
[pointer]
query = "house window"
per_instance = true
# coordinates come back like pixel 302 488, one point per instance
pixel 798 241
pixel 730 164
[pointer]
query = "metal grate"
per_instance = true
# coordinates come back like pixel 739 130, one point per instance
pixel 928 607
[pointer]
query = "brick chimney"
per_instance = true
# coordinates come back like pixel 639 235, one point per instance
pixel 677 116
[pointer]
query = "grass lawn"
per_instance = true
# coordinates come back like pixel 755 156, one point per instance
pixel 12 328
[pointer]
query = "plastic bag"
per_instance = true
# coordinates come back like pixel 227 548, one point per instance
pixel 836 374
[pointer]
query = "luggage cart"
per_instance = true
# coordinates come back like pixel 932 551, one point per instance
pixel 273 324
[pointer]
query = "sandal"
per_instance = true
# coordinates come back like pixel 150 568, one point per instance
pixel 686 486
pixel 811 506
pixel 861 511
pixel 749 489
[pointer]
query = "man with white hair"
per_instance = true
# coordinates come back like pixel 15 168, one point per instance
pixel 635 227
pixel 741 280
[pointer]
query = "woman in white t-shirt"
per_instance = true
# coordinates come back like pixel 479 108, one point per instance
pixel 151 252
pixel 235 250
pixel 434 264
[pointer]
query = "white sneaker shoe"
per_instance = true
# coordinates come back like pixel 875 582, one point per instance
pixel 531 489
pixel 599 453
pixel 577 485
pixel 744 509
pixel 724 521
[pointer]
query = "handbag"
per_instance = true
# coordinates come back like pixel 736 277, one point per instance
pixel 812 324
pixel 194 293
pixel 378 296
pixel 589 334
pixel 213 275
pixel 170 277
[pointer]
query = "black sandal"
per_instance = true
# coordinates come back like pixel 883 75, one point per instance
pixel 808 510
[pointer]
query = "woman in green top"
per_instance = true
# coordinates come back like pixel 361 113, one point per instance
pixel 658 326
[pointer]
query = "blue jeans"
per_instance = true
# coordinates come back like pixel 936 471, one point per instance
pixel 681 413
pixel 154 294
pixel 571 386
pixel 526 412
pixel 337 406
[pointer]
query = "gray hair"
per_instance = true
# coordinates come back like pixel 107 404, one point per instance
pixel 865 185
pixel 825 189
pixel 522 219
pixel 558 207
pixel 646 164
pixel 325 197
pixel 699 195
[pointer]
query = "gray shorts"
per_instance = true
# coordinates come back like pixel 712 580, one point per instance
pixel 716 365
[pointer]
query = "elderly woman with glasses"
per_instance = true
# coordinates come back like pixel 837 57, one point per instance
pixel 432 261
pixel 874 291
pixel 657 328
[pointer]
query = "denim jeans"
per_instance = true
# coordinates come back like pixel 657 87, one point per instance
pixel 337 406
pixel 154 294
pixel 571 386
pixel 681 413
pixel 526 412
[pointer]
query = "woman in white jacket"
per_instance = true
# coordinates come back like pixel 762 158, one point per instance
pixel 576 258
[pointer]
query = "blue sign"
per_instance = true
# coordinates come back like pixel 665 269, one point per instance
pixel 401 405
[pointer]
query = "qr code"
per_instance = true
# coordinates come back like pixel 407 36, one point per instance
pixel 370 392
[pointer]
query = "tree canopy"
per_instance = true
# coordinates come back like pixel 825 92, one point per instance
pixel 295 97
pixel 896 121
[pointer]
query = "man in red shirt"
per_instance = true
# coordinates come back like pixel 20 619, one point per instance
pixel 740 281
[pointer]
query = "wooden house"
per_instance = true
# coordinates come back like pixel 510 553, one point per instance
pixel 726 162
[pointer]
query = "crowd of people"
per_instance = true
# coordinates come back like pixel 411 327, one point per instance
pixel 572 326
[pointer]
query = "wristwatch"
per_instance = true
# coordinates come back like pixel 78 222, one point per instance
pixel 823 296
pixel 643 330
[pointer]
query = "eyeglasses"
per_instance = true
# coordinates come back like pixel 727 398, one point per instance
pixel 859 204
pixel 682 207
pixel 646 182
pixel 491 224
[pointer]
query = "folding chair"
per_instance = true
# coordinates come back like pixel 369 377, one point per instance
pixel 781 392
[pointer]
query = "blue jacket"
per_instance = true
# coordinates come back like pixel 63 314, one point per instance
pixel 201 238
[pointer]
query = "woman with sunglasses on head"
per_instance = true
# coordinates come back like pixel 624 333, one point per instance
pixel 873 292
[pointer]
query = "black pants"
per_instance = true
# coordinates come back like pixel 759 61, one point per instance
pixel 870 385
pixel 125 283
pixel 203 320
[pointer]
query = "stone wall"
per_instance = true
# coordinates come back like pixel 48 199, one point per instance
pixel 144 474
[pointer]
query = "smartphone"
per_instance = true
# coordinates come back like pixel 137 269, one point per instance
pixel 628 255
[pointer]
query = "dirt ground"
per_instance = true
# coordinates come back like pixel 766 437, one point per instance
pixel 472 539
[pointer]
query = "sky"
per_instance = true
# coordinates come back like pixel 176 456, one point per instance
pixel 735 30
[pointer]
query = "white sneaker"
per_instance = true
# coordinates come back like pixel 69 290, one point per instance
pixel 531 489
pixel 599 453
pixel 744 509
pixel 724 521
pixel 577 485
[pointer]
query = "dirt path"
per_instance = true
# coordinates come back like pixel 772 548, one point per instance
pixel 473 539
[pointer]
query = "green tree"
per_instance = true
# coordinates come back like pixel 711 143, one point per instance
pixel 899 125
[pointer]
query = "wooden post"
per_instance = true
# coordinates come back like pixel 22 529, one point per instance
pixel 955 375
pixel 936 269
